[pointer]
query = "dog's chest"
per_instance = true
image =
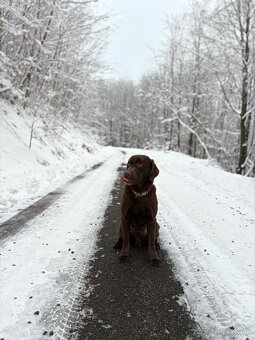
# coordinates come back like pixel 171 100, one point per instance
pixel 139 206
pixel 139 213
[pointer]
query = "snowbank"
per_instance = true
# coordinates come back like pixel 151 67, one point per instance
pixel 57 154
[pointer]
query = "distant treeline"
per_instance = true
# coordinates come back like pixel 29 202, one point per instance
pixel 200 98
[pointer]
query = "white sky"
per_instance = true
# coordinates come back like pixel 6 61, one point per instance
pixel 139 30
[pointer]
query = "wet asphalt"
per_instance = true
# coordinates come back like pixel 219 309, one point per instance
pixel 132 300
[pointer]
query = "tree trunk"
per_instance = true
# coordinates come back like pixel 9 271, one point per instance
pixel 244 124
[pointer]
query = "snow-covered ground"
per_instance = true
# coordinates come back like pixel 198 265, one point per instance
pixel 207 219
pixel 57 155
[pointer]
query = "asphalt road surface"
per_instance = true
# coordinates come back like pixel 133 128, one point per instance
pixel 132 300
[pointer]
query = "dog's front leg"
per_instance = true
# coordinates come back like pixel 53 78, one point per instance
pixel 118 244
pixel 152 231
pixel 125 240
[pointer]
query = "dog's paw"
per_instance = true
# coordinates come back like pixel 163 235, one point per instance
pixel 155 262
pixel 118 244
pixel 123 258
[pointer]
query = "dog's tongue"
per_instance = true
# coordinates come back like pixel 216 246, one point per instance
pixel 124 179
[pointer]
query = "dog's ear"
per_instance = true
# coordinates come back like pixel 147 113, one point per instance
pixel 154 170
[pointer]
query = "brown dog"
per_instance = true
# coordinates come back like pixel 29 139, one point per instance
pixel 139 206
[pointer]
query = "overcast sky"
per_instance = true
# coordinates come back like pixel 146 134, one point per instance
pixel 139 27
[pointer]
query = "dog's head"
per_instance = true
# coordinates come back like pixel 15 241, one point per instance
pixel 140 170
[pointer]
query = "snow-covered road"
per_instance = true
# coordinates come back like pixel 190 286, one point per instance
pixel 207 227
pixel 43 265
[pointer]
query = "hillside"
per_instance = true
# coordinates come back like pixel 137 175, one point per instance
pixel 59 151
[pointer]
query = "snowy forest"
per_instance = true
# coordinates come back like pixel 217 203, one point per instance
pixel 198 98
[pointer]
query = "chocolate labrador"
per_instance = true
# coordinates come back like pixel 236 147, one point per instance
pixel 139 206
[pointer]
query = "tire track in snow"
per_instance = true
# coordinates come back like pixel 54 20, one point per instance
pixel 64 317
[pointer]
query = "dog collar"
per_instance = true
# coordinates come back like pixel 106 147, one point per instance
pixel 140 194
